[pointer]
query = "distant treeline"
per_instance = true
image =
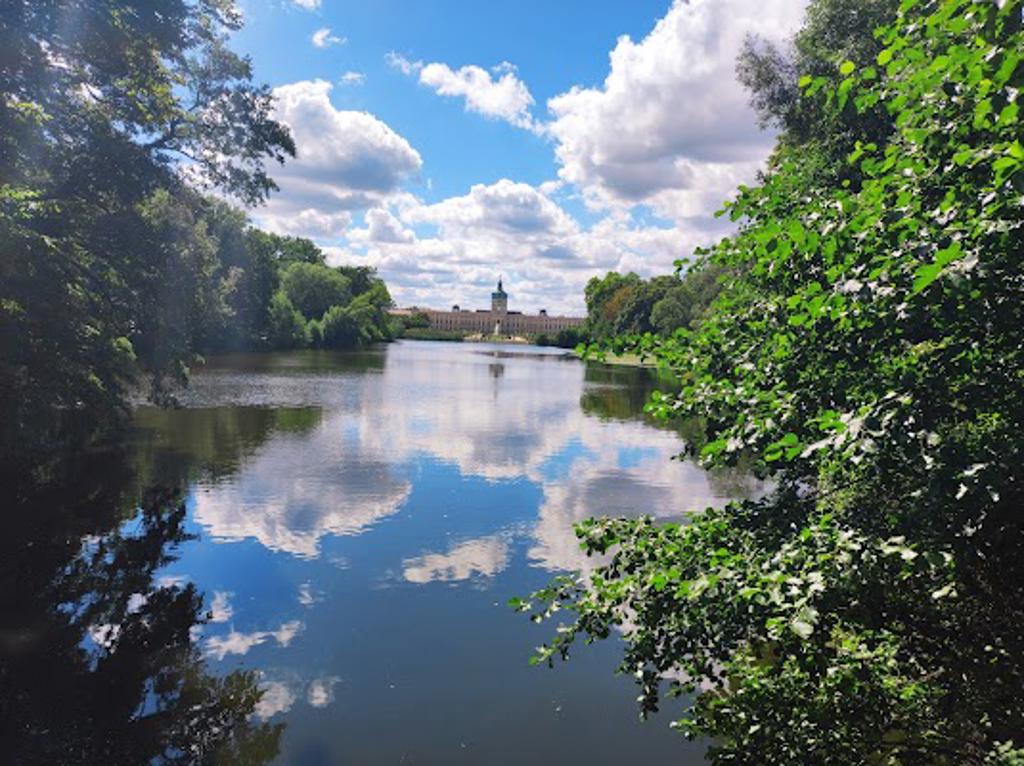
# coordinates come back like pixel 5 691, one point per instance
pixel 623 305
pixel 305 303
pixel 262 291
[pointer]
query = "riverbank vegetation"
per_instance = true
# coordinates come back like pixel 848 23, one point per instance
pixel 317 306
pixel 626 304
pixel 118 266
pixel 619 305
pixel 428 333
pixel 416 326
pixel 867 352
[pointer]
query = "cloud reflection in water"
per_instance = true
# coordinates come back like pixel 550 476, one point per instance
pixel 352 469
pixel 485 556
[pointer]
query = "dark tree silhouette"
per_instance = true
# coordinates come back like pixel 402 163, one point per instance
pixel 97 661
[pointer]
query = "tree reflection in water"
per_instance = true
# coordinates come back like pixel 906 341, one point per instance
pixel 97 660
pixel 621 393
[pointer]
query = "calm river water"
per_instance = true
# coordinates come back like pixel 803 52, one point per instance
pixel 354 525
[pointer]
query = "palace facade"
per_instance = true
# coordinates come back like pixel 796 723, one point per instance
pixel 497 320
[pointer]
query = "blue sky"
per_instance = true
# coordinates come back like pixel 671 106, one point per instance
pixel 553 45
pixel 446 142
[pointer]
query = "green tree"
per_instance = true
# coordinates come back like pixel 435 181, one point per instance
pixel 686 303
pixel 101 105
pixel 283 251
pixel 605 298
pixel 181 295
pixel 419 319
pixel 247 278
pixel 833 30
pixel 571 337
pixel 314 288
pixel 371 307
pixel 341 329
pixel 286 326
pixel 868 353
pixel 361 278
pixel 364 320
pixel 628 305
pixel 634 313
pixel 599 290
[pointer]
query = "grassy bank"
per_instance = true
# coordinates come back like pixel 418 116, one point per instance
pixel 426 333
pixel 624 360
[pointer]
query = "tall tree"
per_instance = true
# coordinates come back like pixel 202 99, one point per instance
pixel 606 297
pixel 686 304
pixel 102 104
pixel 833 30
pixel 313 288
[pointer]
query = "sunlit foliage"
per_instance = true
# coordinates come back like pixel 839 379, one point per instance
pixel 868 352
pixel 111 114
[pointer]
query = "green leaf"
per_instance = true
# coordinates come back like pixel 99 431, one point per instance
pixel 1008 115
pixel 925 275
pixel 1002 165
pixel 947 590
pixel 714 448
pixel 803 622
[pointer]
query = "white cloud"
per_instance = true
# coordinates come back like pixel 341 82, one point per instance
pixel 221 609
pixel 323 38
pixel 497 94
pixel 288 503
pixel 239 643
pixel 281 216
pixel 653 150
pixel 321 691
pixel 347 160
pixel 104 635
pixel 234 643
pixel 486 556
pixel 308 595
pixel 670 126
pixel 287 632
pixel 309 5
pixel 277 698
pixel 348 151
pixel 551 187
pixel 559 440
pixel 135 602
pixel 515 229
pixel 669 131
pixel 583 465
pixel 172 581
pixel 401 63
pixel 381 226
pixel 517 209
pixel 352 78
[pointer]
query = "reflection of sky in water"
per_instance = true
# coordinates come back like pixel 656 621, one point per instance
pixel 557 466
pixel 446 480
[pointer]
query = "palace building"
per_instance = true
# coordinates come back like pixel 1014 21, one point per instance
pixel 497 320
